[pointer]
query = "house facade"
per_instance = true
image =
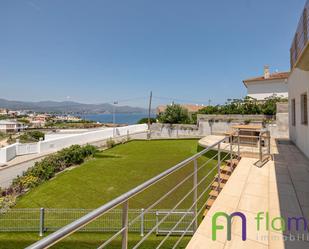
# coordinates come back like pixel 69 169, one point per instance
pixel 8 126
pixel 267 85
pixel 298 84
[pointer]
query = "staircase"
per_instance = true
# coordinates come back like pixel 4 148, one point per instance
pixel 225 172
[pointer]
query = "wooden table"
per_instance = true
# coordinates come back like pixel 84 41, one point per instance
pixel 248 134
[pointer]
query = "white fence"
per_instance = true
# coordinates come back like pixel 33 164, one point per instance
pixel 25 149
pixel 52 219
pixel 52 145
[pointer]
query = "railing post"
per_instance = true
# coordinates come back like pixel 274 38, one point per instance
pixel 260 147
pixel 238 146
pixel 219 167
pixel 125 217
pixel 231 152
pixel 42 214
pixel 268 138
pixel 142 222
pixel 195 193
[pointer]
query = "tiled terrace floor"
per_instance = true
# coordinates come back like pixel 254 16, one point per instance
pixel 280 187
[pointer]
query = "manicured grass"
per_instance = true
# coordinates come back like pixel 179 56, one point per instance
pixel 108 175
pixel 112 173
pixel 87 241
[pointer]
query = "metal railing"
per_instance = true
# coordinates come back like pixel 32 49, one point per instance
pixel 44 220
pixel 301 36
pixel 201 169
pixel 264 148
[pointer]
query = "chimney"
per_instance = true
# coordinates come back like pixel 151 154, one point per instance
pixel 266 72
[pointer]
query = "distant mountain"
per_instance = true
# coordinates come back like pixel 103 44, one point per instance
pixel 67 107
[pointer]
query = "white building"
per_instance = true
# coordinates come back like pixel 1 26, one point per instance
pixel 267 85
pixel 298 83
pixel 8 126
pixel 3 111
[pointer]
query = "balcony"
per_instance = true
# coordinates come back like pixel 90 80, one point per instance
pixel 299 52
pixel 280 187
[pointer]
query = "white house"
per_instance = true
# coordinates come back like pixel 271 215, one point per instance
pixel 7 126
pixel 267 85
pixel 298 83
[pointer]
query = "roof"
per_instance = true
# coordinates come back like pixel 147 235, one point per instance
pixel 189 107
pixel 273 76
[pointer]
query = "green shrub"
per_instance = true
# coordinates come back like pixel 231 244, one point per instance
pixel 44 170
pixel 110 143
pixel 246 105
pixel 247 121
pixel 36 135
pixel 6 202
pixel 145 121
pixel 174 114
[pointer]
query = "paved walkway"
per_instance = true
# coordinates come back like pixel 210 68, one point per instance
pixel 16 167
pixel 281 187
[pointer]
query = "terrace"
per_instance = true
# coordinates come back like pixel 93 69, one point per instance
pixel 280 187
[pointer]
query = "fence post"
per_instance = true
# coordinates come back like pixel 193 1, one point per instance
pixel 219 167
pixel 42 214
pixel 125 218
pixel 39 145
pixel 142 222
pixel 195 193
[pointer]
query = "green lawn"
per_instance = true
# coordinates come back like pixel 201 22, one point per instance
pixel 87 241
pixel 111 173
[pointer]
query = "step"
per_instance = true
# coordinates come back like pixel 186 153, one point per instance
pixel 214 186
pixel 234 162
pixel 209 203
pixel 226 170
pixel 205 212
pixel 214 194
pixel 223 178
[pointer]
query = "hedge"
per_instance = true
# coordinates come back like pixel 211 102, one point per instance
pixel 43 171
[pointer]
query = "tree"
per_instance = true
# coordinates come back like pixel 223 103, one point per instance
pixel 269 107
pixel 145 121
pixel 174 114
pixel 247 105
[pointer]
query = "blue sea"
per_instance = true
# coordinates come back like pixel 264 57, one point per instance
pixel 120 118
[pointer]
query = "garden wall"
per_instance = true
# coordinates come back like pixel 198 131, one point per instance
pixel 174 131
pixel 52 145
pixel 221 124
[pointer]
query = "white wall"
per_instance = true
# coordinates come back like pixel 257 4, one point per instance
pixel 88 137
pixel 299 84
pixel 7 153
pixel 263 89
pixel 58 143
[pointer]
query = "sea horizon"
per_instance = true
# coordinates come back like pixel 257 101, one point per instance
pixel 120 118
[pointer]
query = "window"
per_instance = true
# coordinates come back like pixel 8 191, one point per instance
pixel 304 108
pixel 293 113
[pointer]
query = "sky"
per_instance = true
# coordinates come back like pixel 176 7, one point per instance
pixel 97 51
